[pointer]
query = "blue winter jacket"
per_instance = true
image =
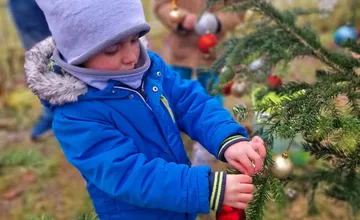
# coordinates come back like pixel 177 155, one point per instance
pixel 127 145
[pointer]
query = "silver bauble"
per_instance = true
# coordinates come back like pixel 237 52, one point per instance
pixel 207 23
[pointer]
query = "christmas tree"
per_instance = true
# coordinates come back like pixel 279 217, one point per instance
pixel 330 128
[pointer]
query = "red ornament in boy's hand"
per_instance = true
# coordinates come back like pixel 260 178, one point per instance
pixel 274 81
pixel 229 213
pixel 206 42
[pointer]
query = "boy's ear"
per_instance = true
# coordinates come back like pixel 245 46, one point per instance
pixel 144 42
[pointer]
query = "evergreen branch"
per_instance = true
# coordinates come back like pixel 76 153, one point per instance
pixel 267 188
pixel 324 151
pixel 330 76
pixel 301 35
pixel 240 112
pixel 312 206
pixel 343 184
pixel 305 36
pixel 239 6
pixel 301 11
pixel 332 125
pixel 353 45
pixel 255 210
pixel 278 192
pixel 293 88
pixel 317 176
pixel 352 162
pixel 346 188
pixel 220 62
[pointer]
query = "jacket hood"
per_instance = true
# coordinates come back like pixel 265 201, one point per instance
pixel 49 86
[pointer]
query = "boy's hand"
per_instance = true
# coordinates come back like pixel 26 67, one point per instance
pixel 243 155
pixel 238 191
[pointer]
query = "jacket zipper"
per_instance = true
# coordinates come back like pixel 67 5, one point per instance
pixel 142 90
pixel 138 93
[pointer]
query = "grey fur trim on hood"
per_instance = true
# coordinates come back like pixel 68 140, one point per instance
pixel 47 85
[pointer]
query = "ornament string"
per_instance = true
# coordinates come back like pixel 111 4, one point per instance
pixel 173 4
pixel 286 152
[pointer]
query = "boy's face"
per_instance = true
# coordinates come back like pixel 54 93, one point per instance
pixel 121 56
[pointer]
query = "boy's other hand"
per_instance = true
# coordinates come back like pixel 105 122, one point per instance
pixel 238 191
pixel 189 22
pixel 246 156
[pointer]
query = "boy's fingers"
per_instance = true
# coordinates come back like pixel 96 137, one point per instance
pixel 257 139
pixel 260 149
pixel 239 167
pixel 246 188
pixel 245 162
pixel 244 179
pixel 240 205
pixel 255 157
pixel 245 197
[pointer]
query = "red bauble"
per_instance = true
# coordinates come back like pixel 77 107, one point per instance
pixel 229 213
pixel 227 89
pixel 274 82
pixel 206 42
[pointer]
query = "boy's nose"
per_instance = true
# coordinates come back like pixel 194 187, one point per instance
pixel 129 58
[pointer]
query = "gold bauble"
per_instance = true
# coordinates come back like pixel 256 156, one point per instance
pixel 238 89
pixel 282 166
pixel 176 16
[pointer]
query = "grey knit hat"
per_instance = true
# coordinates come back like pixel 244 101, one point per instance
pixel 82 28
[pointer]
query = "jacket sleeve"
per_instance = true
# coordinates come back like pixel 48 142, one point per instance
pixel 162 8
pixel 200 115
pixel 112 162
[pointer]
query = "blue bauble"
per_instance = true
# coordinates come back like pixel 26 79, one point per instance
pixel 344 33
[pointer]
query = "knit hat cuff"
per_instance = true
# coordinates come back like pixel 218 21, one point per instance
pixel 140 29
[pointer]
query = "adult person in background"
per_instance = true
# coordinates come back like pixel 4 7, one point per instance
pixel 32 27
pixel 183 54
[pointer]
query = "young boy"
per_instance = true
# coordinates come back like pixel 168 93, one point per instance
pixel 118 113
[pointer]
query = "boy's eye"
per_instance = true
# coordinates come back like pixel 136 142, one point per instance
pixel 112 53
pixel 135 40
pixel 111 50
